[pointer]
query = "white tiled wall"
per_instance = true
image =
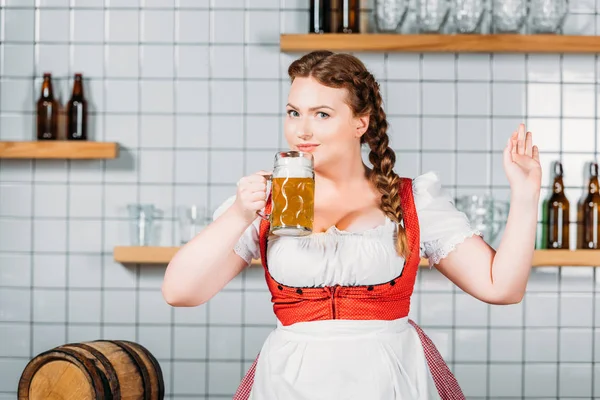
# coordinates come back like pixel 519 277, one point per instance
pixel 194 93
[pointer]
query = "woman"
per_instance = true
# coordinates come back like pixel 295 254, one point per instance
pixel 370 229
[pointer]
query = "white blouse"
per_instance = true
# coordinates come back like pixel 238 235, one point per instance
pixel 359 258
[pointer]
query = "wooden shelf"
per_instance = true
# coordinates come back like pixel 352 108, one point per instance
pixel 58 149
pixel 541 258
pixel 463 43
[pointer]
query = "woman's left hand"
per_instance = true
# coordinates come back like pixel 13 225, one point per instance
pixel 522 164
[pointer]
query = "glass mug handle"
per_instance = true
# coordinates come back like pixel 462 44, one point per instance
pixel 269 178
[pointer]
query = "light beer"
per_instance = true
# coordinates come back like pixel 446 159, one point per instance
pixel 292 194
pixel 293 205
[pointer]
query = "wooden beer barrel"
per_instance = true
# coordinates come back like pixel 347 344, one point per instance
pixel 96 370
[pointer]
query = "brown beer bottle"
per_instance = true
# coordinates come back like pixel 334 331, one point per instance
pixel 351 16
pixel 590 213
pixel 558 213
pixel 320 16
pixel 47 111
pixel 77 112
pixel 345 16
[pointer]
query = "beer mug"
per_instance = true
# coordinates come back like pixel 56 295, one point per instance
pixel 292 194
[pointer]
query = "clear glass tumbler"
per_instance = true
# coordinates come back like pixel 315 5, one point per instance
pixel 468 15
pixel 547 16
pixel 509 15
pixel 389 14
pixel 432 15
pixel 142 218
pixel 192 219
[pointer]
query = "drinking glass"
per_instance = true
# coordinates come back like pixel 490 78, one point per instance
pixel 292 194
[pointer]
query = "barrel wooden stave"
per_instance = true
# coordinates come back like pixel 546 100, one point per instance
pixel 95 370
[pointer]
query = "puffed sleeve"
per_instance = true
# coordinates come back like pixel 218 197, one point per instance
pixel 442 225
pixel 248 246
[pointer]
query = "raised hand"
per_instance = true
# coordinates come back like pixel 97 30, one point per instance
pixel 522 163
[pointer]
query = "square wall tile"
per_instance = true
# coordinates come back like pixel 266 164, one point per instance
pixel 50 270
pixel 470 345
pixel 225 343
pixel 84 306
pixel 473 98
pixel 157 131
pixel 18 59
pixel 508 99
pixel 403 66
pixel 157 61
pixel 226 166
pixel 543 99
pixel 16 304
pixel 541 345
pixel 438 98
pixel 191 166
pixel 576 345
pixel 192 26
pixel 157 26
pixel 53 25
pixel 88 26
pixel 505 380
pixel 192 61
pixel 474 67
pixel 123 26
pixel 19 25
pixel 439 133
pixel 224 308
pixel 263 27
pixel 578 100
pixel 15 269
pixel 156 97
pixel 506 345
pixel 228 132
pixel 227 26
pixel 403 98
pixel 540 380
pixel 190 342
pixel 192 97
pixel 263 97
pixel 191 131
pixel 473 134
pixel 575 381
pixel 438 66
pixel 227 61
pixel 227 97
pixel 15 200
pixel 224 377
pixel 122 61
pixel 473 169
pixel 262 132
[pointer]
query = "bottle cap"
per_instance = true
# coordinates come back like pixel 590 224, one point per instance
pixel 558 169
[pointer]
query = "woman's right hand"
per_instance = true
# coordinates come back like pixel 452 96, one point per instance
pixel 251 195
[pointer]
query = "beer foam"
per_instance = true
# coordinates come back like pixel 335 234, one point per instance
pixel 293 167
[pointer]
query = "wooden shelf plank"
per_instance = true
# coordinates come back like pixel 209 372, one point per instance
pixel 463 43
pixel 58 149
pixel 542 258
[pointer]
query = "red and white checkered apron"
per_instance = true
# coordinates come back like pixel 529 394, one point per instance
pixel 293 305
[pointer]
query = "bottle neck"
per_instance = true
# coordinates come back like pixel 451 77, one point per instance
pixel 47 89
pixel 77 88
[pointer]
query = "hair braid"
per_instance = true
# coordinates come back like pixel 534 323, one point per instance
pixel 383 159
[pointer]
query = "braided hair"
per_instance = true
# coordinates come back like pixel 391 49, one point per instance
pixel 364 98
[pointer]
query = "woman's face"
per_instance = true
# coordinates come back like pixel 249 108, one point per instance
pixel 319 121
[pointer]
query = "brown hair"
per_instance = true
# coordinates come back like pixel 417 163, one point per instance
pixel 364 98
